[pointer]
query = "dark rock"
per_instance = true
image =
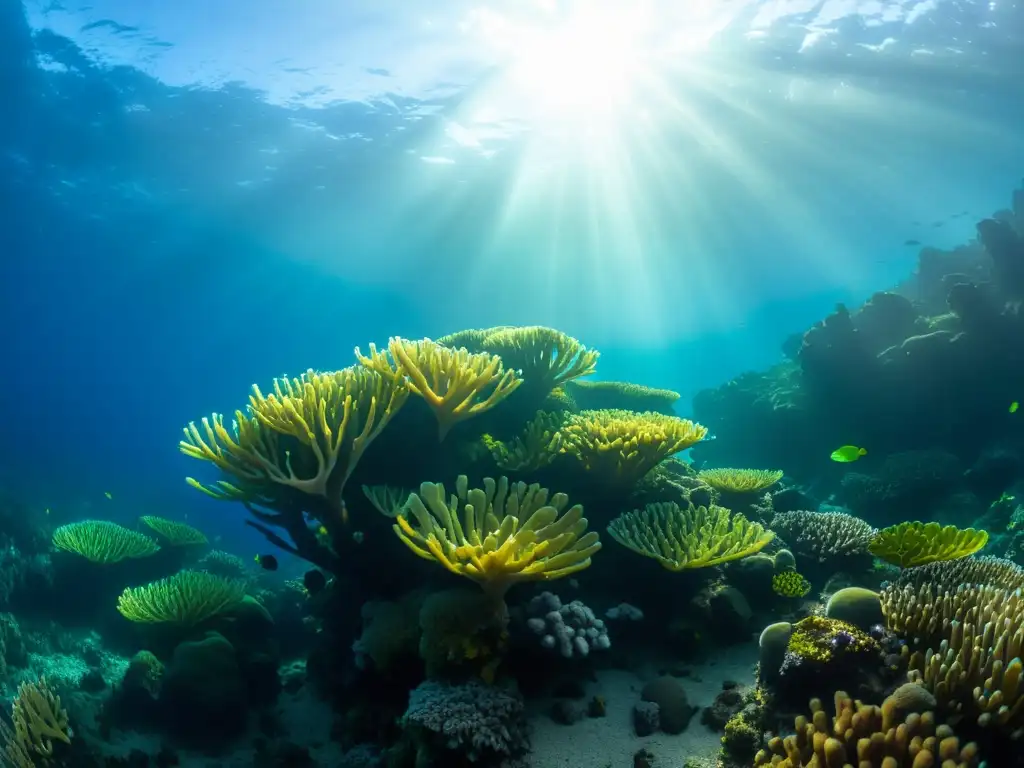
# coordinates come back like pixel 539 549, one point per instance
pixel 567 712
pixel 674 710
pixel 726 704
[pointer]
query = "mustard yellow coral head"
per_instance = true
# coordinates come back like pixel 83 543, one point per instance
pixel 102 541
pixel 740 480
pixel 686 538
pixel 915 543
pixel 504 534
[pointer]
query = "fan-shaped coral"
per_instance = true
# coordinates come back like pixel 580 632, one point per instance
pixel 545 358
pixel 176 533
pixel 740 480
pixel 455 383
pixel 386 499
pixel 186 598
pixel 862 735
pixel 624 446
pixel 504 535
pixel 695 537
pixel 914 543
pixel 103 542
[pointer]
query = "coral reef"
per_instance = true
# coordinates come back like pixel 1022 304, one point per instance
pixel 572 628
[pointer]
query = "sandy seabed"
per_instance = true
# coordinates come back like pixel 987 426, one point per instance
pixel 611 740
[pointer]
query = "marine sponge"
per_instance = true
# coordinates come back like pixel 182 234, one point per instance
pixel 858 734
pixel 307 436
pixel 101 541
pixel 505 534
pixel 186 598
pixel 37 721
pixel 822 640
pixel 695 537
pixel 545 358
pixel 455 383
pixel 176 533
pixel 740 480
pixel 856 605
pixel 790 584
pixel 965 646
pixel 914 543
pixel 823 536
pixel 624 446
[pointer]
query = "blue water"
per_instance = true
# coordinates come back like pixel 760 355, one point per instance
pixel 195 199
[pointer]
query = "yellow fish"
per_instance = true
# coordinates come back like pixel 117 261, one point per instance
pixel 108 494
pixel 1014 406
pixel 322 530
pixel 848 453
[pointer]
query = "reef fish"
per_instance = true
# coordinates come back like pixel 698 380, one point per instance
pixel 267 562
pixel 848 453
pixel 1014 406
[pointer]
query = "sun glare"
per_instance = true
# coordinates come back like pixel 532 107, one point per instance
pixel 583 67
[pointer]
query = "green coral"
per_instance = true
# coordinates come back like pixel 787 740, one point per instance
pixel 186 598
pixel 101 541
pixel 790 584
pixel 915 543
pixel 694 537
pixel 539 444
pixel 176 533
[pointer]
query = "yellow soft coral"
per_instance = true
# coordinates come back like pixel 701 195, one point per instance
pixel 538 445
pixel 740 480
pixel 103 542
pixel 546 358
pixel 176 533
pixel 455 383
pixel 186 598
pixel 307 436
pixel 915 543
pixel 695 537
pixel 504 534
pixel 37 721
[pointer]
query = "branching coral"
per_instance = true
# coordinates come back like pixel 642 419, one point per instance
pixel 37 721
pixel 948 575
pixel 186 598
pixel 823 536
pixel 294 451
pixel 505 534
pixel 455 383
pixel 965 645
pixel 694 537
pixel 624 446
pixel 539 444
pixel 862 735
pixel 913 543
pixel 740 480
pixel 176 533
pixel 103 542
pixel 546 358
